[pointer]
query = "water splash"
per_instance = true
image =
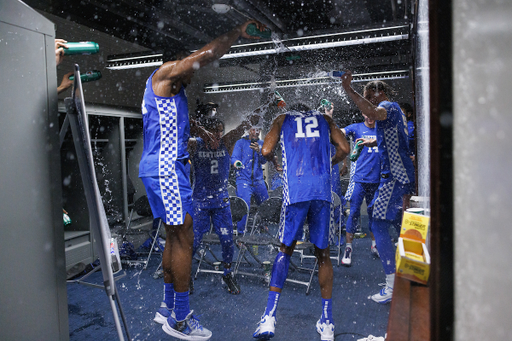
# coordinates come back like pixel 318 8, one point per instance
pixel 278 43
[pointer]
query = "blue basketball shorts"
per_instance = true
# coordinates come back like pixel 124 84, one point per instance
pixel 220 219
pixel 388 200
pixel 318 213
pixel 170 197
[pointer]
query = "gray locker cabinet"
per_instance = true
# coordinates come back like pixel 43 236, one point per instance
pixel 33 276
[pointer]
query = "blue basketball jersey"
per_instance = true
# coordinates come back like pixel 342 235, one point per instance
pixel 392 140
pixel 166 131
pixel 305 144
pixel 211 171
pixel 367 167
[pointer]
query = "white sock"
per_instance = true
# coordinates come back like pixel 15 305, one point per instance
pixel 349 245
pixel 373 243
pixel 390 280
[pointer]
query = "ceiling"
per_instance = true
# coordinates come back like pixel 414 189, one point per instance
pixel 160 25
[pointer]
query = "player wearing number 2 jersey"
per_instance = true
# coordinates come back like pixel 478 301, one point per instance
pixel 306 137
pixel 364 181
pixel 210 192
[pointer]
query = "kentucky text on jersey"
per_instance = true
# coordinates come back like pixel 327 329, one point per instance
pixel 220 153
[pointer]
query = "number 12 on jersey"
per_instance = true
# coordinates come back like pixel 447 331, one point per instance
pixel 311 127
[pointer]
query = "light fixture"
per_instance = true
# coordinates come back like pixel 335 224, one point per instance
pixel 221 8
pixel 325 41
pixel 314 81
pixel 133 61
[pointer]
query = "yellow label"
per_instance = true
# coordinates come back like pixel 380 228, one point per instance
pixel 412 222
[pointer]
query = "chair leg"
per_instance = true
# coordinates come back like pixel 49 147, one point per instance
pixel 155 238
pixel 311 277
pixel 200 261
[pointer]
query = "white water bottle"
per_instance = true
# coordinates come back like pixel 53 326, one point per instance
pixel 335 74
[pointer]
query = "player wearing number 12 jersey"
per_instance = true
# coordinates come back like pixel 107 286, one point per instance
pixel 364 181
pixel 306 138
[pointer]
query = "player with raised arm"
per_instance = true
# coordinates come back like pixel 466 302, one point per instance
pixel 396 169
pixel 210 191
pixel 164 169
pixel 306 138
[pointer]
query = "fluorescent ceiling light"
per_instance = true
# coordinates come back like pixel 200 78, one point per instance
pixel 134 61
pixel 324 41
pixel 253 86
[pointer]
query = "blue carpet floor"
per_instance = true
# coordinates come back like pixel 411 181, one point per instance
pixel 232 317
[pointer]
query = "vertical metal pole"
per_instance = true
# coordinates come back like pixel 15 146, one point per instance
pixel 124 173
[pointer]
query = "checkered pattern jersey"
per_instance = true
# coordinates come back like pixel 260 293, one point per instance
pixel 392 141
pixel 166 134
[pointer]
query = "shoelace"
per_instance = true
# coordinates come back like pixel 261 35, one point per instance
pixel 194 322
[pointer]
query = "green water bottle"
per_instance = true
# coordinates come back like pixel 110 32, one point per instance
pixel 356 151
pixel 252 30
pixel 326 104
pixel 83 47
pixel 66 218
pixel 89 76
pixel 279 101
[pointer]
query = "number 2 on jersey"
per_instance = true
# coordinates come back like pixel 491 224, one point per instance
pixel 214 167
pixel 311 125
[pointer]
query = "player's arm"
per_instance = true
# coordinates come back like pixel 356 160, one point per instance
pixel 198 130
pixel 173 71
pixel 270 142
pixel 344 167
pixel 372 111
pixel 237 154
pixel 236 134
pixel 66 83
pixel 339 141
pixel 368 142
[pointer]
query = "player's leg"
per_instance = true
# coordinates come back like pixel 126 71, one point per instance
pixel 294 216
pixel 244 191
pixel 154 194
pixel 356 200
pixel 319 235
pixel 370 190
pixel 177 256
pixel 201 225
pixel 260 192
pixel 386 205
pixel 222 223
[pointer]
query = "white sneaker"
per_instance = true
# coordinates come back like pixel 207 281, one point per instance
pixel 384 296
pixel 326 330
pixel 374 251
pixel 188 329
pixel 347 257
pixel 163 313
pixel 266 328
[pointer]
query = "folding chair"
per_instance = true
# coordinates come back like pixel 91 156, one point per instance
pixel 336 202
pixel 268 212
pixel 276 193
pixel 239 209
pixel 143 209
pixel 232 191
